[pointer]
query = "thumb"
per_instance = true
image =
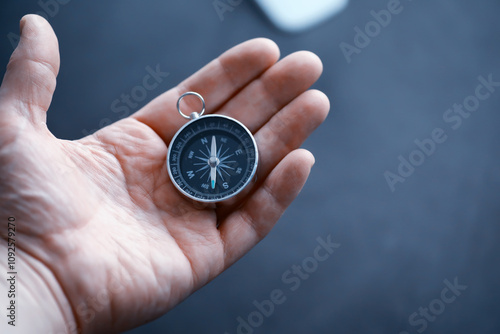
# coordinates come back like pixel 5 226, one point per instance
pixel 30 79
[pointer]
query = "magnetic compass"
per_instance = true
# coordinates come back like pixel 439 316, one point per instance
pixel 212 157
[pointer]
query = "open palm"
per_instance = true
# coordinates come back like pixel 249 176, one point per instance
pixel 105 241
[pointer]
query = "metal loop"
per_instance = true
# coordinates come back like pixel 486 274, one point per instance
pixel 196 113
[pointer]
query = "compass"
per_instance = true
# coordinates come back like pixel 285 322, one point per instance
pixel 211 158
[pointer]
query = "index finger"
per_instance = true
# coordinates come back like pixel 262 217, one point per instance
pixel 217 82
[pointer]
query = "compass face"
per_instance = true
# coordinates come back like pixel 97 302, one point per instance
pixel 212 158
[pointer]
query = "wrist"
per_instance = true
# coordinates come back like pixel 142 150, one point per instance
pixel 38 303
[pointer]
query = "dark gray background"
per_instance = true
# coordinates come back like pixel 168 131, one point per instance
pixel 398 247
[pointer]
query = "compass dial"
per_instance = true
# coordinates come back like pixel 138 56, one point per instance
pixel 212 158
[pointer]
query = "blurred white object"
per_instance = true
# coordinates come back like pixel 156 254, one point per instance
pixel 298 15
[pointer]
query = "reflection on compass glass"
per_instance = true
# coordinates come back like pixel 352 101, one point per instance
pixel 212 158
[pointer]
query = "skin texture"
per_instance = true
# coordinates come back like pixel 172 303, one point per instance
pixel 104 240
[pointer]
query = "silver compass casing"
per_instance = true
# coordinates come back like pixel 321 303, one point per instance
pixel 194 118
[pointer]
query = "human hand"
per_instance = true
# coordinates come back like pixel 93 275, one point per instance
pixel 110 244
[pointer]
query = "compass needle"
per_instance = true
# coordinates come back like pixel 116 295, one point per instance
pixel 213 162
